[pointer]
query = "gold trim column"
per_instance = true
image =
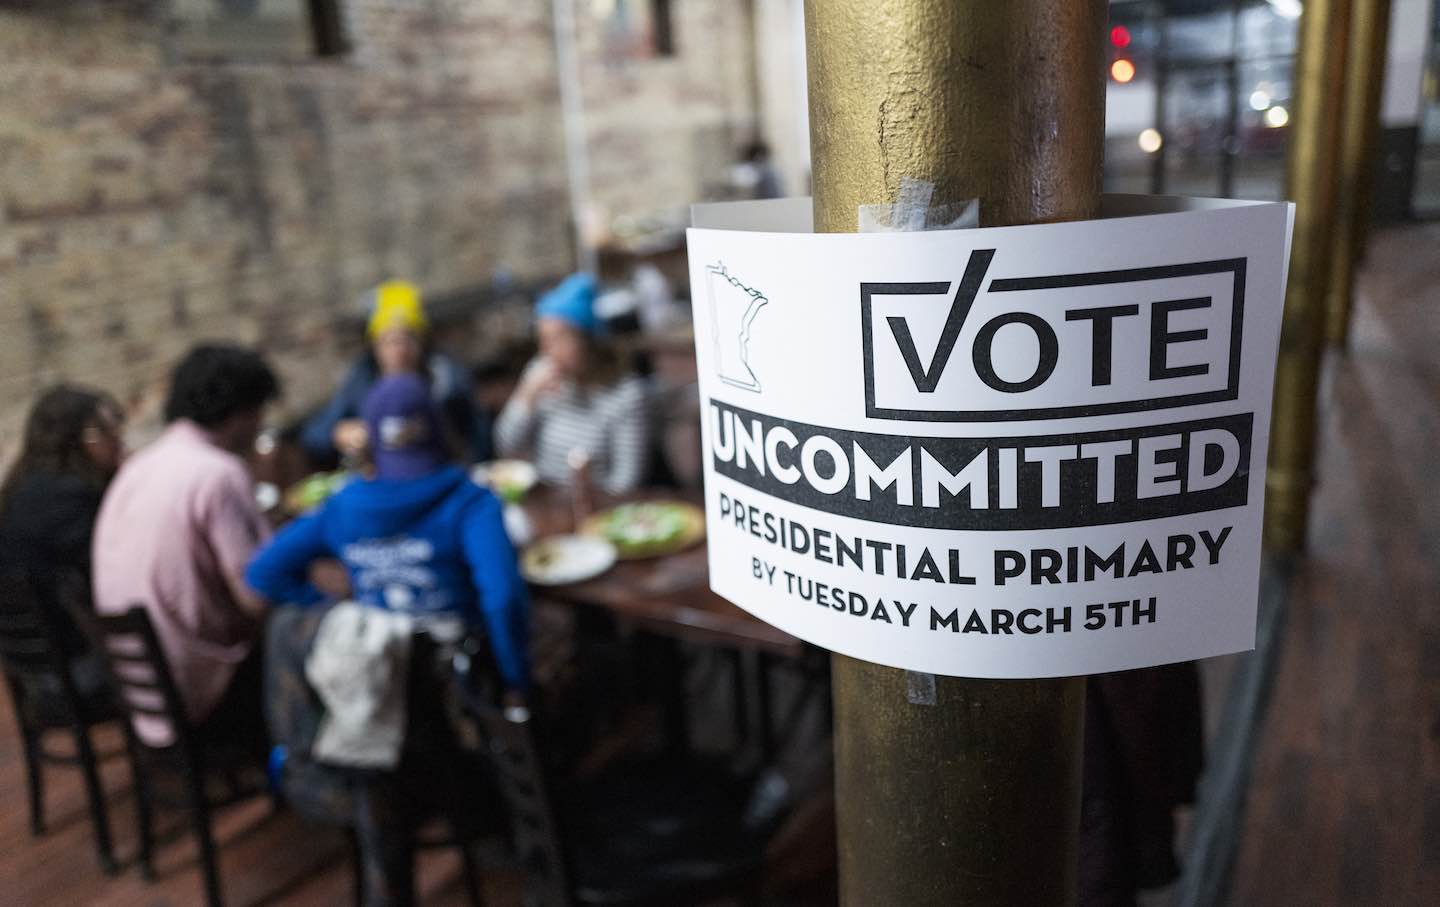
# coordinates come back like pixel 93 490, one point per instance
pixel 967 793
pixel 1311 177
pixel 1360 131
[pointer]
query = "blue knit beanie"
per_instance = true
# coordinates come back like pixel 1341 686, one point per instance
pixel 573 302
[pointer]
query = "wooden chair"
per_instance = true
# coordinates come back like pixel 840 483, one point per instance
pixel 147 690
pixel 47 698
pixel 645 834
pixel 329 795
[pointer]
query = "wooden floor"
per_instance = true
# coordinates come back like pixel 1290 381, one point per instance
pixel 1344 805
pixel 267 858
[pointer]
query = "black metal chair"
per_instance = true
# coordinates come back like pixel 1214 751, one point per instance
pixel 48 698
pixel 147 691
pixel 661 832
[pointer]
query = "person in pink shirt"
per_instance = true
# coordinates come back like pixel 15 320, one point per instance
pixel 175 531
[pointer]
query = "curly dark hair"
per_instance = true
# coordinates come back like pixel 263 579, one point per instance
pixel 54 435
pixel 215 381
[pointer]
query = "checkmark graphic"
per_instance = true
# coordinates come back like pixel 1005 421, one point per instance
pixel 927 378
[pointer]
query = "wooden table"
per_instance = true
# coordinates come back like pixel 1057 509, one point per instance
pixel 667 595
pixel 669 599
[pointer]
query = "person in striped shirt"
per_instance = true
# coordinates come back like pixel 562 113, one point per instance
pixel 577 400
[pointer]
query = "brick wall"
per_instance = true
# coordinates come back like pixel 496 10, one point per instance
pixel 148 199
pixel 662 130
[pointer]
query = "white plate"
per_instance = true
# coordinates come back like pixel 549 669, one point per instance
pixel 562 559
pixel 515 477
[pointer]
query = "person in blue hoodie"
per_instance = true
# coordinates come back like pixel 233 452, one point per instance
pixel 419 538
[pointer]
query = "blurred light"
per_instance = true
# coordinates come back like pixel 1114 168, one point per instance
pixel 1259 99
pixel 1286 9
pixel 1277 117
pixel 1122 70
pixel 1120 36
pixel 1150 140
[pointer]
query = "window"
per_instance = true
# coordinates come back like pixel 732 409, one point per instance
pixel 635 29
pixel 662 28
pixel 285 30
pixel 328 27
pixel 1425 201
pixel 1205 108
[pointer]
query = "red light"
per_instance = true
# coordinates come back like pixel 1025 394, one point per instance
pixel 1120 36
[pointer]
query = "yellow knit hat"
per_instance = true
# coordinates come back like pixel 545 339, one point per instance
pixel 397 305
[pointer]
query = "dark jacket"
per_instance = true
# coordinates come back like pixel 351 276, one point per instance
pixel 450 387
pixel 45 531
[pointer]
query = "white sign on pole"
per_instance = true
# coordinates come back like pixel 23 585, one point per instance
pixel 1006 452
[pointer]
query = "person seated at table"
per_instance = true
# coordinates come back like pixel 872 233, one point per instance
pixel 398 334
pixel 72 445
pixel 577 401
pixel 496 376
pixel 419 538
pixel 176 529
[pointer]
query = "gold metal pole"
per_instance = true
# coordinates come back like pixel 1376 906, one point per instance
pixel 1312 172
pixel 973 798
pixel 1369 35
